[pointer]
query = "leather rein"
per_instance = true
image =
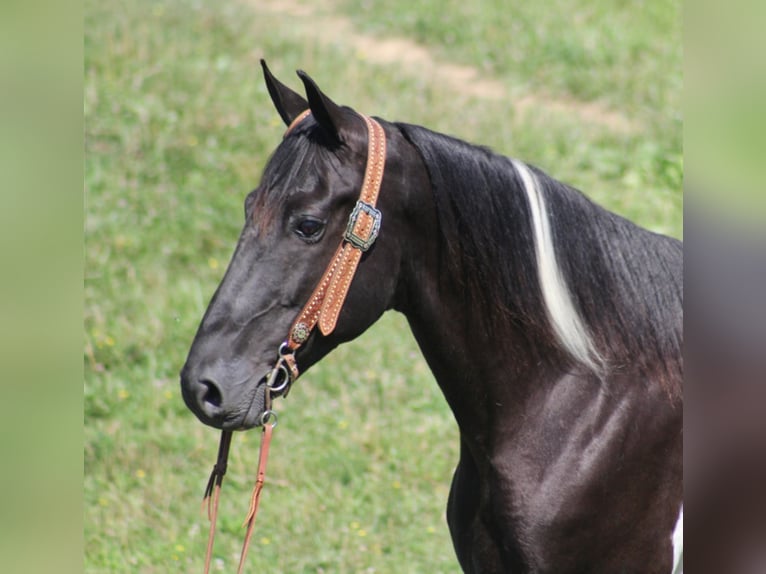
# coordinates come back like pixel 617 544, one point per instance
pixel 322 309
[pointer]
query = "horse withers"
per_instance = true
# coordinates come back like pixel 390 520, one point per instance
pixel 552 326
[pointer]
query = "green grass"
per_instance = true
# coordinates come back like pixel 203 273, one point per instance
pixel 604 50
pixel 178 129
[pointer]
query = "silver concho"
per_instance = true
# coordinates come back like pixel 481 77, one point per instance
pixel 301 333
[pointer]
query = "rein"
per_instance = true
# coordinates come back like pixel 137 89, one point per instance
pixel 323 308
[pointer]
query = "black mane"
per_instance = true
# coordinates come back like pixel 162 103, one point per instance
pixel 626 282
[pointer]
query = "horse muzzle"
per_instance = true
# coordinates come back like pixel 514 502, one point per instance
pixel 231 407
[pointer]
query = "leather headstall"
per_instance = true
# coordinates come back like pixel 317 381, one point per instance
pixel 322 308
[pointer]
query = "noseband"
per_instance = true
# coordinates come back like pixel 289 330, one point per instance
pixel 322 309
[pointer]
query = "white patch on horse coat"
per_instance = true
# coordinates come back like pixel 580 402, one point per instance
pixel 567 323
pixel 678 544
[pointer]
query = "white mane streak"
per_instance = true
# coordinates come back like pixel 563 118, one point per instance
pixel 567 324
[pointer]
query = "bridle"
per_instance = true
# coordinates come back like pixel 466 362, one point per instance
pixel 322 308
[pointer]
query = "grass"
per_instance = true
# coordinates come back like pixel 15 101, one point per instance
pixel 178 129
pixel 588 50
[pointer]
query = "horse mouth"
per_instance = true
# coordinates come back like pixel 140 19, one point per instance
pixel 275 384
pixel 254 414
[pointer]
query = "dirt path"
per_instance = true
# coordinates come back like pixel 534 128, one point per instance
pixel 413 58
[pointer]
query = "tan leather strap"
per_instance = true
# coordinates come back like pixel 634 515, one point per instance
pixel 326 302
pixel 255 498
pixel 213 492
pixel 298 119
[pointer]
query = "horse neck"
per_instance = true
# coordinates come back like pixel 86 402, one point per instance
pixel 478 362
pixel 478 365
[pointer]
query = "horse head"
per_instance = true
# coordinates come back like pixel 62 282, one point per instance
pixel 294 223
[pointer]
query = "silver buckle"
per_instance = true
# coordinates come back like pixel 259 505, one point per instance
pixel 363 243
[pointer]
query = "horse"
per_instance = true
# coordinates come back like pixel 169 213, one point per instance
pixel 552 326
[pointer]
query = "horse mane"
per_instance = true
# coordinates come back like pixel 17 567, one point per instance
pixel 619 305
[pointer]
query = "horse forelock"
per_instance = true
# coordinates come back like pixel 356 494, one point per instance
pixel 295 166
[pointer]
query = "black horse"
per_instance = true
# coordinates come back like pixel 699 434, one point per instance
pixel 553 327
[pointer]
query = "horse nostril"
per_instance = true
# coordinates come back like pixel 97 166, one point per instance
pixel 212 394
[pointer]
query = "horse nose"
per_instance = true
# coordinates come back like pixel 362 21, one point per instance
pixel 211 396
pixel 204 398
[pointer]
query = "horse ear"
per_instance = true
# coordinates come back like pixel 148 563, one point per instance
pixel 289 104
pixel 327 113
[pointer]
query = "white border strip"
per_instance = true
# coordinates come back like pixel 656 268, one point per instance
pixel 678 544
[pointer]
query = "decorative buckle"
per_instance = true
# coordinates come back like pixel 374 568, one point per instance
pixel 363 243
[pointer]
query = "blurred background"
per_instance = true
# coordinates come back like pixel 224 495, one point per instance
pixel 725 279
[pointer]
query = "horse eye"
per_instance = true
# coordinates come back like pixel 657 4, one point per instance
pixel 309 228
